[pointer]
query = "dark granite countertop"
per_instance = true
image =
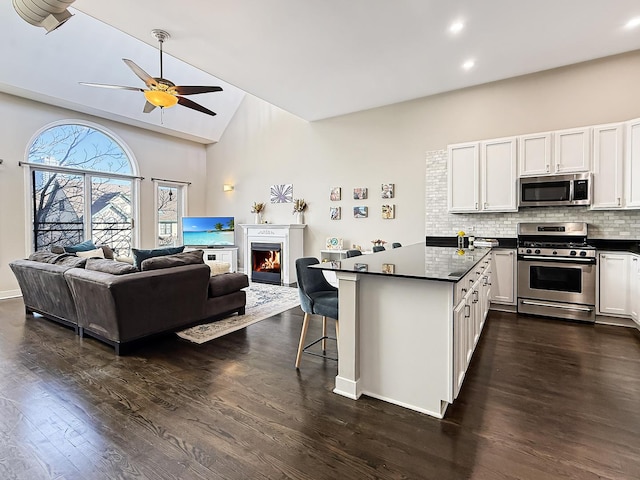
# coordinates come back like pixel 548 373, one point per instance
pixel 631 246
pixel 412 261
pixel 504 242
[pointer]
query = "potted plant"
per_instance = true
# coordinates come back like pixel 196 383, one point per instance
pixel 257 209
pixel 299 206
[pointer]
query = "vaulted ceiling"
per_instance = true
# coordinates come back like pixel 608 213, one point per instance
pixel 315 59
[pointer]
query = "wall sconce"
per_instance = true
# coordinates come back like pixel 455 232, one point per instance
pixel 48 14
pixel 227 187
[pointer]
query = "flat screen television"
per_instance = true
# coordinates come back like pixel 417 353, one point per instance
pixel 208 231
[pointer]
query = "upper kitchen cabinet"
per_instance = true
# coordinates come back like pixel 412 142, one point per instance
pixel 463 177
pixel 572 150
pixel 559 152
pixel 535 154
pixel 482 176
pixel 632 164
pixel 608 161
pixel 498 175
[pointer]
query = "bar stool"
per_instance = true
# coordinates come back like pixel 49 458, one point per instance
pixel 317 297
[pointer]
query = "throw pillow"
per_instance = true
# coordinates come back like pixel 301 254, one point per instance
pixel 71 261
pixel 192 257
pixel 108 251
pixel 140 256
pixel 110 266
pixel 81 247
pixel 97 253
pixel 46 257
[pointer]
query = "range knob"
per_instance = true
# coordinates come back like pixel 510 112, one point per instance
pixel 555 252
pixel 528 250
pixel 583 253
pixel 537 251
pixel 574 253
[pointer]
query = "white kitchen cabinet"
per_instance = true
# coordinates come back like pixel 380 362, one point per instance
pixel 632 164
pixel 463 177
pixel 461 319
pixel 607 168
pixel 498 175
pixel 503 280
pixel 535 154
pixel 572 150
pixel 634 285
pixel 482 176
pixel 613 297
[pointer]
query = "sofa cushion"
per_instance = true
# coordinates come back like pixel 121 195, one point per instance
pixel 71 261
pixel 227 283
pixel 44 257
pixel 81 247
pixel 109 266
pixel 140 256
pixel 106 249
pixel 192 257
pixel 97 253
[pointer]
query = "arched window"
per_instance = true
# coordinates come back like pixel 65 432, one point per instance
pixel 83 186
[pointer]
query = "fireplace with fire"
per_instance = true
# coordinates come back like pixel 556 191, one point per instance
pixel 266 263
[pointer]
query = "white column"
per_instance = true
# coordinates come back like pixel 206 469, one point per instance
pixel 349 337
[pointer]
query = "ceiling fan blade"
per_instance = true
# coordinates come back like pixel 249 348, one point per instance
pixel 144 76
pixel 185 102
pixel 148 107
pixel 192 90
pixel 102 85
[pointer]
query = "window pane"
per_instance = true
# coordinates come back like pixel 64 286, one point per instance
pixel 79 146
pixel 111 214
pixel 167 216
pixel 58 207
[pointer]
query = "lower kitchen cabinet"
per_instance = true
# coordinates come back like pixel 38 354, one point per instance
pixel 613 296
pixel 634 288
pixel 503 280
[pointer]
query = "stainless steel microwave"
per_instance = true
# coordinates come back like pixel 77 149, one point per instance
pixel 555 190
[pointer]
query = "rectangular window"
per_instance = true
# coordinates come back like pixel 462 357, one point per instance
pixel 169 213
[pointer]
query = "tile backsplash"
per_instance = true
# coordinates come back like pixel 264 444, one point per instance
pixel 611 224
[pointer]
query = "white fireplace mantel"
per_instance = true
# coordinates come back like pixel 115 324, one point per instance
pixel 289 235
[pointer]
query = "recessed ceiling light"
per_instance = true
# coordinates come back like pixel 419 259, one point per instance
pixel 468 65
pixel 633 23
pixel 456 27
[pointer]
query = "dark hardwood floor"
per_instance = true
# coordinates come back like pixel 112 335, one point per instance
pixel 542 400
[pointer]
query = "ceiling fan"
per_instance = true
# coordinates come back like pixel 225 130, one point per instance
pixel 161 92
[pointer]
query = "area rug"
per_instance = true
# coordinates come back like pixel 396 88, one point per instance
pixel 263 301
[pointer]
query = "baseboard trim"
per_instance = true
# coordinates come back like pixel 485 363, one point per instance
pixel 10 294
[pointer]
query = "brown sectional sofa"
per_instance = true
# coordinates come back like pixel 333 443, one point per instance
pixel 120 308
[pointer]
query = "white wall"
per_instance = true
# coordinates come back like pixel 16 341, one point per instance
pixel 157 155
pixel 264 145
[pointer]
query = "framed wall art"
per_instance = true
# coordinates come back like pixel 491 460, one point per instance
pixel 334 243
pixel 388 211
pixel 387 190
pixel 360 193
pixel 360 212
pixel 282 193
pixel 335 194
pixel 335 213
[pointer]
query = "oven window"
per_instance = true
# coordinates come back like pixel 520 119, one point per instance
pixel 546 191
pixel 559 279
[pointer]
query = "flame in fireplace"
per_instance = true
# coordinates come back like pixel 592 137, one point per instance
pixel 272 262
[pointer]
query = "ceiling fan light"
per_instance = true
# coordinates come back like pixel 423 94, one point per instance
pixel 160 99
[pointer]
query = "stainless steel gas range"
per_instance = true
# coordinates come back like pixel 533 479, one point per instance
pixel 556 271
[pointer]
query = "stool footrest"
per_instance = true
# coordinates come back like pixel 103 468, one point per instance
pixel 304 350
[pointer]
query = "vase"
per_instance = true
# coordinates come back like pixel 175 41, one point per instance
pixel 300 217
pixel 258 219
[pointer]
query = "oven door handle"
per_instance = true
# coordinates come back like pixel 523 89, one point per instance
pixel 551 305
pixel 584 261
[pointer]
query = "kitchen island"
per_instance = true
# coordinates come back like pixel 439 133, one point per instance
pixel 409 321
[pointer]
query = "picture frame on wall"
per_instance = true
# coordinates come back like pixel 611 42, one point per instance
pixel 388 268
pixel 387 190
pixel 360 193
pixel 335 213
pixel 335 194
pixel 360 212
pixel 282 193
pixel 388 211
